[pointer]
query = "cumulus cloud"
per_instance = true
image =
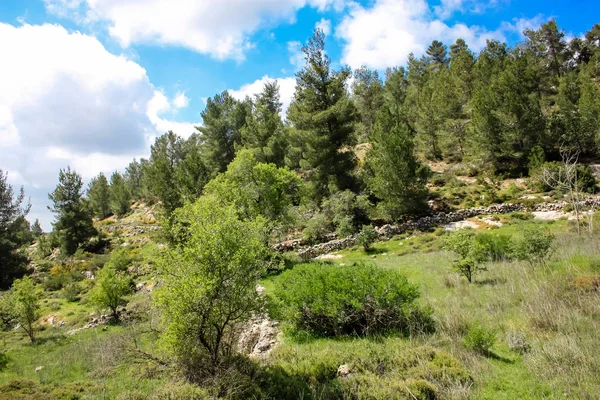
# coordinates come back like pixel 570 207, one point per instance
pixel 324 25
pixel 65 100
pixel 287 87
pixel 385 34
pixel 221 28
pixel 296 56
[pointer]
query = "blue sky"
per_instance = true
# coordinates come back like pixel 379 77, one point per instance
pixel 91 83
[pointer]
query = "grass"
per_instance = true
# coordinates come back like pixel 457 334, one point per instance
pixel 554 308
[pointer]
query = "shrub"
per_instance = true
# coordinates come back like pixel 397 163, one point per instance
pixel 71 291
pixel 120 259
pixel 535 246
pixel 317 228
pixel 517 343
pixel 329 300
pixel 472 254
pixel 495 247
pixel 479 338
pixel 366 237
pixel 110 290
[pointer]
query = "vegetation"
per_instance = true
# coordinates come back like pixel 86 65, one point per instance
pixel 25 305
pixel 110 290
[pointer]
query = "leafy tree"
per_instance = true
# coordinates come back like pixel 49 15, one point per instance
pixel 324 117
pixel 13 210
pixel 98 194
pixel 120 197
pixel 256 188
pixel 73 221
pixel 25 305
pixel 264 132
pixel 110 290
pixel 36 229
pixel 366 237
pixel 223 119
pixel 398 178
pixel 472 253
pixel 209 284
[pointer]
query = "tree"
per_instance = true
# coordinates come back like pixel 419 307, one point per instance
pixel 73 220
pixel 324 116
pixel 98 194
pixel 192 173
pixel 256 188
pixel 120 197
pixel 397 177
pixel 437 53
pixel 36 229
pixel 110 290
pixel 535 246
pixel 223 119
pixel 134 178
pixel 264 131
pixel 13 211
pixel 472 253
pixel 25 305
pixel 209 284
pixel 367 93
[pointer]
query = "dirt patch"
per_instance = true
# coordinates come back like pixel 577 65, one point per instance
pixel 330 256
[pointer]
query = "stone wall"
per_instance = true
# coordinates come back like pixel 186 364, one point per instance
pixel 438 219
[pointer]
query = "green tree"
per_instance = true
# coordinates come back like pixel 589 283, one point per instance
pixel 367 93
pixel 471 251
pixel 192 173
pixel 536 245
pixel 25 305
pixel 36 229
pixel 324 117
pixel 73 220
pixel 134 178
pixel 264 131
pixel 110 290
pixel 166 154
pixel 13 211
pixel 209 284
pixel 437 54
pixel 397 177
pixel 98 194
pixel 223 120
pixel 256 188
pixel 120 197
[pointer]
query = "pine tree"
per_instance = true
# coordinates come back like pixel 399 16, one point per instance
pixel 437 53
pixel 264 132
pixel 98 194
pixel 367 90
pixel 36 229
pixel 398 178
pixel 120 197
pixel 73 219
pixel 223 119
pixel 134 178
pixel 192 173
pixel 13 210
pixel 324 117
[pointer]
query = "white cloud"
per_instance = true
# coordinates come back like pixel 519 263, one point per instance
pixel 287 87
pixel 296 56
pixel 448 7
pixel 181 100
pixel 160 105
pixel 220 28
pixel 324 25
pixel 65 100
pixel 386 33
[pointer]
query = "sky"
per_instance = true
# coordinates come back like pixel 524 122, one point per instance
pixel 92 83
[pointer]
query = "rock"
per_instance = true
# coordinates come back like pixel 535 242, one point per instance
pixel 343 371
pixel 104 329
pixel 260 289
pixel 259 337
pixel 38 369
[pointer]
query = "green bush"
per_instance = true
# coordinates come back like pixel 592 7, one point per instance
pixel 71 291
pixel 317 228
pixel 479 338
pixel 366 237
pixel 535 246
pixel 329 300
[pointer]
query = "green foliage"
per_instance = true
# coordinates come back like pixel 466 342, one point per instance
pixel 98 194
pixel 13 210
pixel 323 117
pixel 479 338
pixel 110 290
pixel 472 253
pixel 536 245
pixel 347 211
pixel 209 284
pixel 317 228
pixel 26 305
pixel 119 259
pixel 73 221
pixel 120 197
pixel 329 300
pixel 366 237
pixel 71 291
pixel 36 229
pixel 255 188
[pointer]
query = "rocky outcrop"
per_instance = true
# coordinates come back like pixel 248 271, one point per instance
pixel 259 337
